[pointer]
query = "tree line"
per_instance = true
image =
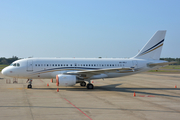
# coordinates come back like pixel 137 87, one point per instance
pixel 172 59
pixel 8 61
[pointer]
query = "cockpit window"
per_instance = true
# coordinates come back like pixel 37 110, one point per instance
pixel 15 64
pixel 18 64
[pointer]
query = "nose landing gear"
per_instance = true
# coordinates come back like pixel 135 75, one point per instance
pixel 29 86
pixel 29 83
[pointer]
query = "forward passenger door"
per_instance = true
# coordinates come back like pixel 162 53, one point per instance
pixel 30 65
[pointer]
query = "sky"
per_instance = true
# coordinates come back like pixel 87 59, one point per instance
pixel 86 28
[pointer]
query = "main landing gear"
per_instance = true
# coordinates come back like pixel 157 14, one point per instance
pixel 89 85
pixel 83 84
pixel 29 83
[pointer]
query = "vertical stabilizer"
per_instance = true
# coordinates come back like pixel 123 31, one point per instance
pixel 152 49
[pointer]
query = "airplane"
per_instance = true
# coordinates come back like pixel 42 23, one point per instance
pixel 69 71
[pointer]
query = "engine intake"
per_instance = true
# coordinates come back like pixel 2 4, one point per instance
pixel 65 80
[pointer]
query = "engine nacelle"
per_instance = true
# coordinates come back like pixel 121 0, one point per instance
pixel 65 80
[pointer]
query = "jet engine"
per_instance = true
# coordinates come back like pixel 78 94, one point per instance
pixel 65 80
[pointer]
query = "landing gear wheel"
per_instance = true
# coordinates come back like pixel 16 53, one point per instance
pixel 90 86
pixel 29 86
pixel 83 84
pixel 29 83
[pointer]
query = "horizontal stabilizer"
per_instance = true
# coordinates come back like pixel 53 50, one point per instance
pixel 160 64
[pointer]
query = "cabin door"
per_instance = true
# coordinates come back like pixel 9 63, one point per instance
pixel 135 63
pixel 29 65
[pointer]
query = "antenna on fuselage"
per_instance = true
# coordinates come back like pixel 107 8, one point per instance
pixel 30 57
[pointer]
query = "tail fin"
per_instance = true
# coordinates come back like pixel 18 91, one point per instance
pixel 152 49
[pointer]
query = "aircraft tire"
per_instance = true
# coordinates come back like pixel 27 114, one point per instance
pixel 29 86
pixel 90 86
pixel 83 84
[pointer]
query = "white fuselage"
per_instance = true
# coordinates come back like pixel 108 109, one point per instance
pixel 70 71
pixel 47 68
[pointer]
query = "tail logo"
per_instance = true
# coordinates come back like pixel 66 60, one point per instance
pixel 152 48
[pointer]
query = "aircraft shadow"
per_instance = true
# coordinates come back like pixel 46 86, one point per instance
pixel 113 87
pixel 84 108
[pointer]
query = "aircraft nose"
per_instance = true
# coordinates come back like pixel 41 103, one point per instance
pixel 4 71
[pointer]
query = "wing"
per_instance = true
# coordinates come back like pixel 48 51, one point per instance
pixel 85 74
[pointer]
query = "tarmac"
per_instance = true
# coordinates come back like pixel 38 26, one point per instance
pixel 112 99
